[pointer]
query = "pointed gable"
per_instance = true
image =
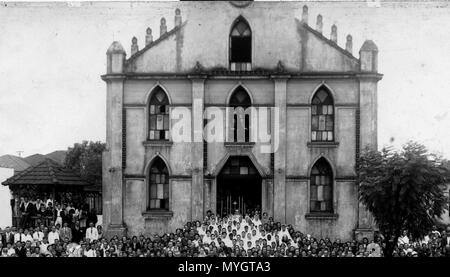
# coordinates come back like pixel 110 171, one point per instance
pixel 204 37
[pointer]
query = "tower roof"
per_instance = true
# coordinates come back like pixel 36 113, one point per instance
pixel 115 47
pixel 369 45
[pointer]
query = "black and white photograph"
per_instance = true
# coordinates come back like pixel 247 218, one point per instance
pixel 225 129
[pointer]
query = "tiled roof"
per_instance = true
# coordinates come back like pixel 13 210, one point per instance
pixel 47 172
pixel 14 162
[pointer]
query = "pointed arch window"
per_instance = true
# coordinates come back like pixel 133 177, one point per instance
pixel 240 100
pixel 321 187
pixel 322 116
pixel 158 185
pixel 240 45
pixel 158 115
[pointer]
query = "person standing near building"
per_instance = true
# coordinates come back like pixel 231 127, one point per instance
pixel 66 232
pixel 91 232
pixel 8 236
pixel 26 208
pixel 53 235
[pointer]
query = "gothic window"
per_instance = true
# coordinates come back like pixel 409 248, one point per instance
pixel 158 115
pixel 321 187
pixel 322 116
pixel 240 45
pixel 158 185
pixel 241 119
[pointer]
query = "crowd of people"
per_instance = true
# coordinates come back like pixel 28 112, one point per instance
pixel 229 236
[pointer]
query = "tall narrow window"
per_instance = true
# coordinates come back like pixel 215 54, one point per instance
pixel 321 187
pixel 322 116
pixel 158 185
pixel 240 46
pixel 240 100
pixel 158 115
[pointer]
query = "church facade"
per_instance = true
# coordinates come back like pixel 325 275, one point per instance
pixel 288 108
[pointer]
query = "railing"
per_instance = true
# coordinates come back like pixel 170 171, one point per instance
pixel 34 221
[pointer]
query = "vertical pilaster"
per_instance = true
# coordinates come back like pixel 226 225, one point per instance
pixel 368 80
pixel 279 180
pixel 198 92
pixel 113 175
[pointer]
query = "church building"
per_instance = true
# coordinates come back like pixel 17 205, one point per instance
pixel 249 67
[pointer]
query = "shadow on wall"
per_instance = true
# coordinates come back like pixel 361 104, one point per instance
pixel 5 197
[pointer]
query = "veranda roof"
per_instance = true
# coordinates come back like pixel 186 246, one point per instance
pixel 48 172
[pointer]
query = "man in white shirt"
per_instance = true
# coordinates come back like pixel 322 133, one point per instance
pixel 26 236
pixel 44 246
pixel 18 236
pixel 38 235
pixel 53 235
pixel 91 232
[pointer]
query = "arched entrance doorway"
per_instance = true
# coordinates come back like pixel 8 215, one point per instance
pixel 238 187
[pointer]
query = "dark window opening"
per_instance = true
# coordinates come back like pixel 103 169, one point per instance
pixel 240 45
pixel 159 185
pixel 321 187
pixel 240 99
pixel 159 115
pixel 322 116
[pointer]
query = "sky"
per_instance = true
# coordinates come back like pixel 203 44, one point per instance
pixel 52 56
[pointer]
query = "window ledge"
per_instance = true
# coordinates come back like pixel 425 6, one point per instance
pixel 321 216
pixel 157 142
pixel 150 214
pixel 322 144
pixel 239 144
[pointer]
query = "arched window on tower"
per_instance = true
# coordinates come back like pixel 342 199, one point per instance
pixel 158 185
pixel 321 187
pixel 158 115
pixel 240 101
pixel 322 116
pixel 240 46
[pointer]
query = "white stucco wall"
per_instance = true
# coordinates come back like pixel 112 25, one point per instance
pixel 5 196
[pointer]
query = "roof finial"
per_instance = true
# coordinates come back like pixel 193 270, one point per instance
pixel 148 36
pixel 349 44
pixel 333 36
pixel 134 46
pixel 305 14
pixel 163 27
pixel 319 24
pixel 177 17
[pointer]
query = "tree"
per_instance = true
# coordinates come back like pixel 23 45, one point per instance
pixel 86 158
pixel 403 190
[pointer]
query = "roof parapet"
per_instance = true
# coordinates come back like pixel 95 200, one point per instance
pixel 349 44
pixel 305 14
pixel 319 24
pixel 162 27
pixel 177 17
pixel 134 45
pixel 148 36
pixel 333 35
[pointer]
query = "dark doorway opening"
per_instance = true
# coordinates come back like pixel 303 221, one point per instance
pixel 239 187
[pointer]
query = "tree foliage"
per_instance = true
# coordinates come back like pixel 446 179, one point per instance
pixel 403 190
pixel 86 158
